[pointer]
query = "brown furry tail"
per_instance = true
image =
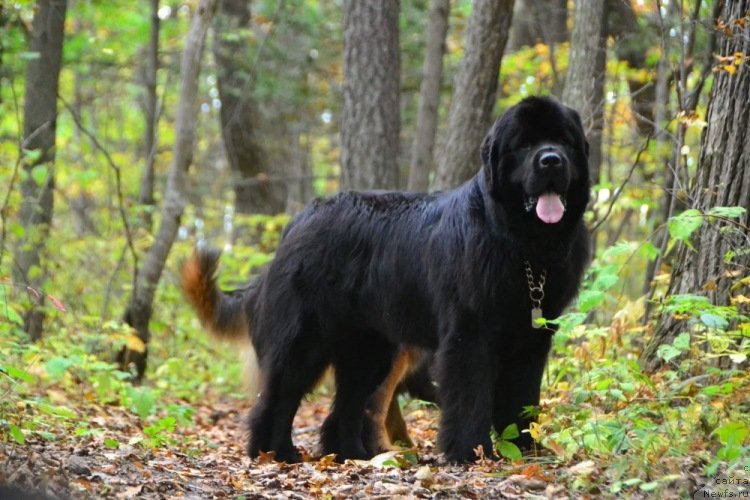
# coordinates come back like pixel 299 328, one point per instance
pixel 223 314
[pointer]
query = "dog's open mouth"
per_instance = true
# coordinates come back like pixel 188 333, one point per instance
pixel 549 207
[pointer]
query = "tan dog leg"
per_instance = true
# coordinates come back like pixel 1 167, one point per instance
pixel 383 405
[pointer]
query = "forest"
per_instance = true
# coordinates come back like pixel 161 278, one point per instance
pixel 133 132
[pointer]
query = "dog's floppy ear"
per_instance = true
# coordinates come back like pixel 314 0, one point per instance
pixel 489 150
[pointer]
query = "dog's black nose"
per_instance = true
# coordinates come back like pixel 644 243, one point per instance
pixel 550 159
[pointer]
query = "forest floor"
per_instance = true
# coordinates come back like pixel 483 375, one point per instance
pixel 208 460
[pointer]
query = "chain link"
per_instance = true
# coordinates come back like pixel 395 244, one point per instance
pixel 536 290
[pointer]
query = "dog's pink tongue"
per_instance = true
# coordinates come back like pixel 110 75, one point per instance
pixel 549 208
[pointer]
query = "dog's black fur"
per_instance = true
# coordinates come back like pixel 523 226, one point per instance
pixel 358 274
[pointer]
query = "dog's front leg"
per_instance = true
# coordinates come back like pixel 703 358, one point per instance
pixel 465 375
pixel 519 379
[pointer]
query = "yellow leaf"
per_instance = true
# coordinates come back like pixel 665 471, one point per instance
pixel 134 343
pixel 631 313
pixel 57 397
pixel 740 299
pixel 662 278
pixel 535 431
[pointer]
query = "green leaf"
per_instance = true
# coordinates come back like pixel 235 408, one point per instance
pixel 40 173
pixel 605 281
pixel 618 394
pixel 47 436
pixel 111 443
pixel 509 450
pixel 17 434
pixel 649 250
pixel 616 487
pixel 727 212
pixel 13 316
pixel 17 229
pixel 510 432
pixel 682 342
pixel 681 226
pixel 32 156
pixel 142 401
pixel 19 374
pixel 667 352
pixel 589 299
pixel 650 486
pixel 732 432
pixel 58 411
pixel 56 367
pixel 714 321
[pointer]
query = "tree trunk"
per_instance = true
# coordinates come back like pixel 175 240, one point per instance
pixel 429 96
pixel 239 114
pixel 470 114
pixel 538 21
pixel 584 81
pixel 39 129
pixel 146 193
pixel 631 41
pixel 370 119
pixel 723 179
pixel 299 189
pixel 138 312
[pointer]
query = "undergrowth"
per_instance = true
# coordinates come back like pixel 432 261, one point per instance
pixel 646 431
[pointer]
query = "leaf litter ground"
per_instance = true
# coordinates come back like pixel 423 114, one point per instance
pixel 207 460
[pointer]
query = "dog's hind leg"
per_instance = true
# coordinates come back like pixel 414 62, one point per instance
pixel 286 377
pixel 384 411
pixel 362 363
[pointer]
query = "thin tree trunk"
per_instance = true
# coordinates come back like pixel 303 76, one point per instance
pixel 538 21
pixel 667 202
pixel 146 193
pixel 723 179
pixel 429 96
pixel 630 39
pixel 370 120
pixel 138 312
pixel 39 129
pixel 246 155
pixel 82 202
pixel 584 81
pixel 470 114
pixel 299 186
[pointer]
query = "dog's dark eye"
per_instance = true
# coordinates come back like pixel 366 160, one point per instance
pixel 568 141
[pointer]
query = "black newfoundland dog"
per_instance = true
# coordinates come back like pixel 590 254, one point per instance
pixel 462 273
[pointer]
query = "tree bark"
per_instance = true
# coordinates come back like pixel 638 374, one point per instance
pixel 723 179
pixel 584 81
pixel 631 46
pixel 39 130
pixel 146 192
pixel 299 189
pixel 138 311
pixel 470 114
pixel 239 114
pixel 538 21
pixel 429 96
pixel 370 120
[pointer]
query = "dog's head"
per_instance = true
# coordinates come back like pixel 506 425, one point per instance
pixel 535 164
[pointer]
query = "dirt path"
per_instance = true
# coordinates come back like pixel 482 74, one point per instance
pixel 208 460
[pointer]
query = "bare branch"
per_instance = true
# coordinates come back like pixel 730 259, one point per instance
pixel 620 189
pixel 118 185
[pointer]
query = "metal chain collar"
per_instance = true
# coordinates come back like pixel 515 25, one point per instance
pixel 536 293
